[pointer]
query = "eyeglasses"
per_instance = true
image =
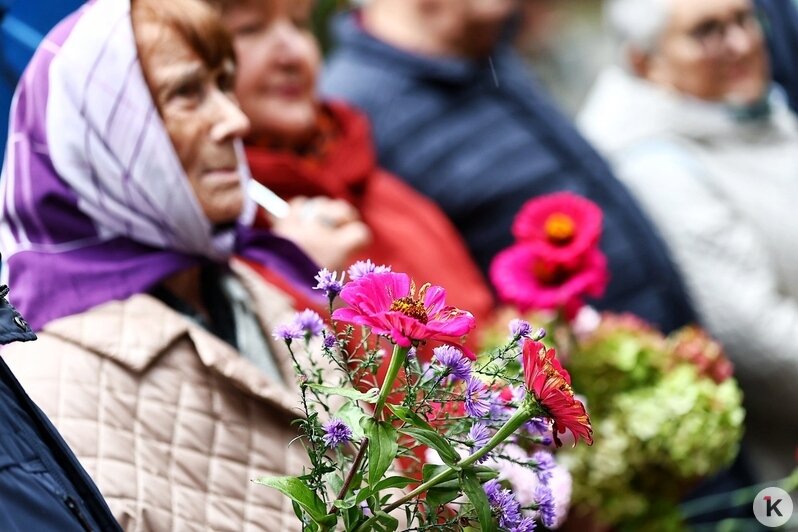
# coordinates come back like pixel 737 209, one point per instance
pixel 712 34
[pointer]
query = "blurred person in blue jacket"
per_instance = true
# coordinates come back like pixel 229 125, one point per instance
pixel 780 19
pixel 458 116
pixel 42 484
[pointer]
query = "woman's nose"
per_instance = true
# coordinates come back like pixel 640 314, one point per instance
pixel 289 43
pixel 231 122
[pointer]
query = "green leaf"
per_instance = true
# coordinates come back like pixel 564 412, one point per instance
pixel 369 397
pixel 430 470
pixel 385 523
pixel 432 439
pixel 393 482
pixel 408 416
pixel 383 446
pixel 479 499
pixel 437 497
pixel 384 484
pixel 353 416
pixel 298 492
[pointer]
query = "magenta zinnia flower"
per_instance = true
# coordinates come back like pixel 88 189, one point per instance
pixel 521 279
pixel 560 227
pixel 389 304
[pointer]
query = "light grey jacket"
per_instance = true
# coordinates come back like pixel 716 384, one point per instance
pixel 722 187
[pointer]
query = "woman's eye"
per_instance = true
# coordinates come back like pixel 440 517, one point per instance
pixel 226 82
pixel 303 21
pixel 248 29
pixel 190 90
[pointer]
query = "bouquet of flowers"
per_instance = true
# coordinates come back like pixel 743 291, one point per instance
pixel 364 437
pixel 665 409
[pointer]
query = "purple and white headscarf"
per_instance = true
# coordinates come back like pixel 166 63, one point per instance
pixel 94 203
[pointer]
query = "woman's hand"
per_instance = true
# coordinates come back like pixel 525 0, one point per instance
pixel 328 230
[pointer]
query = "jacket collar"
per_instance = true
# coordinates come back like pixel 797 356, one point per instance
pixel 343 170
pixel 13 327
pixel 146 328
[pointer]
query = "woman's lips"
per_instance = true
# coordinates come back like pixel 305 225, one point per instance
pixel 292 92
pixel 223 176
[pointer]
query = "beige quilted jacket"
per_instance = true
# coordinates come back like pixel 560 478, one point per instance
pixel 171 422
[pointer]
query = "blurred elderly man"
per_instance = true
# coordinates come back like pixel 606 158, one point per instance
pixel 457 116
pixel 692 128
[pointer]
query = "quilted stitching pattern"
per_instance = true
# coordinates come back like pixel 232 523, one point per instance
pixel 172 438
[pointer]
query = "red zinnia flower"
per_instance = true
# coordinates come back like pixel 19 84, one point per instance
pixel 546 379
pixel 524 280
pixel 389 304
pixel 559 227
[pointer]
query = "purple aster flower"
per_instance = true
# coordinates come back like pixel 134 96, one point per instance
pixel 328 283
pixel 520 328
pixel 411 353
pixel 545 503
pixel 539 335
pixel 499 407
pixel 288 332
pixel 527 524
pixel 336 432
pixel 544 463
pixel 364 267
pixel 479 436
pixel 503 504
pixel 310 322
pixel 476 398
pixel 329 340
pixel 453 362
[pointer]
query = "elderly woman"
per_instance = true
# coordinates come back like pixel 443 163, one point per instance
pixel 692 128
pixel 299 145
pixel 122 206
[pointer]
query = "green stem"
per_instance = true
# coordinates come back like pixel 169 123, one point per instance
pixel 397 361
pixel 527 411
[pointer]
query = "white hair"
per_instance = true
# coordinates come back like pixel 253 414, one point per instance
pixel 637 23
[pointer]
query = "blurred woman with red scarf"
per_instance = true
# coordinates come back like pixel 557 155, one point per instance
pixel 301 146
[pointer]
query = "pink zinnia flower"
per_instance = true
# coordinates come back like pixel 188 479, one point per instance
pixel 561 228
pixel 522 279
pixel 389 304
pixel 546 379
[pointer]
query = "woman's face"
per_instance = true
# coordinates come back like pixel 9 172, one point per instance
pixel 202 118
pixel 278 60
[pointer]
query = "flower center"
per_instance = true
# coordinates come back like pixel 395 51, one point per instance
pixel 560 228
pixel 550 275
pixel 412 305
